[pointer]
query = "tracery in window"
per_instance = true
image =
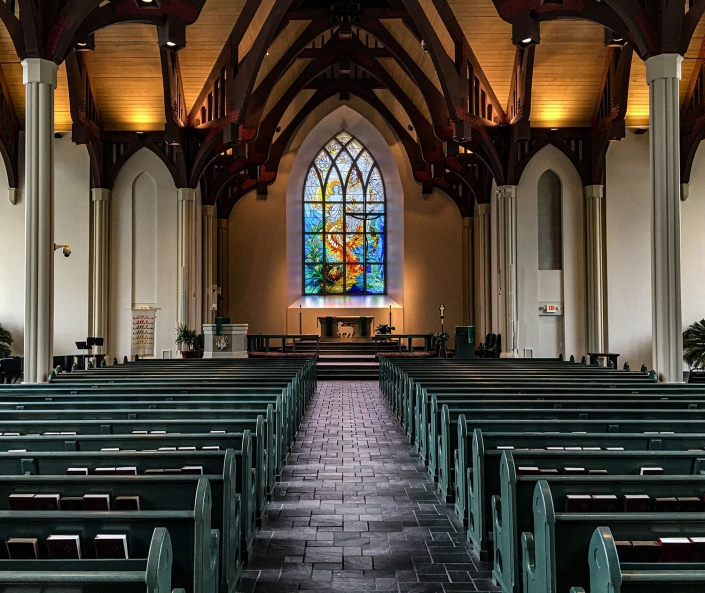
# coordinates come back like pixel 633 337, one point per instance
pixel 344 221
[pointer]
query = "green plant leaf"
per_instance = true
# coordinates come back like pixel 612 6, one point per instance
pixel 694 345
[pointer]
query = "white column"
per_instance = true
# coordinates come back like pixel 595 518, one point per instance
pixel 223 262
pixel 483 272
pixel 594 241
pixel 210 232
pixel 468 276
pixel 186 246
pixel 100 271
pixel 663 74
pixel 39 78
pixel 507 242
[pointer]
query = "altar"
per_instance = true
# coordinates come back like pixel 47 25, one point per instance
pixel 345 328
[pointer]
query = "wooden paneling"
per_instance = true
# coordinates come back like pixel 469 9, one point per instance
pixel 490 39
pixel 278 48
pixel 567 73
pixel 406 84
pixel 204 41
pixel 413 48
pixel 638 102
pixel 690 62
pixel 127 78
pixel 439 27
pixel 62 108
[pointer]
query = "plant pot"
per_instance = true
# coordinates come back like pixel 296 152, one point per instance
pixel 189 354
pixel 442 350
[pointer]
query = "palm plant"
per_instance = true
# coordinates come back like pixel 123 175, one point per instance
pixel 694 345
pixel 5 341
pixel 186 337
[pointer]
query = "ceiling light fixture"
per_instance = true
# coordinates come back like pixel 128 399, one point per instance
pixel 526 30
pixel 527 40
pixel 171 44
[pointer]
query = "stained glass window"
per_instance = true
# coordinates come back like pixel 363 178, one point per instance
pixel 344 221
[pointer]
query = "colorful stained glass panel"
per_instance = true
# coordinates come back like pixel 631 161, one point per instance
pixel 344 221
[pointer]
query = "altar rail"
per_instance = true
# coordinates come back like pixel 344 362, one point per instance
pixel 262 342
pixel 427 340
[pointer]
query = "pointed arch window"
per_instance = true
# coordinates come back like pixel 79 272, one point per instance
pixel 344 221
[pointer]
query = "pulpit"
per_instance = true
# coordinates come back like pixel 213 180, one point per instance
pixel 228 340
pixel 346 328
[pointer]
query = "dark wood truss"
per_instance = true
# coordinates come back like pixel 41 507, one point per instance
pixel 461 139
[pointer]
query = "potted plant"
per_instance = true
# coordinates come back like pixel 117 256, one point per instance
pixel 384 330
pixel 694 345
pixel 439 340
pixel 186 340
pixel 5 342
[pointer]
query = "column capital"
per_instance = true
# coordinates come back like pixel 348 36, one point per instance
pixel 100 194
pixel 467 221
pixel 208 210
pixel 39 70
pixel 506 191
pixel 483 209
pixel 594 191
pixel 663 66
pixel 685 191
pixel 186 194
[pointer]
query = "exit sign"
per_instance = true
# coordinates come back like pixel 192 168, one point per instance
pixel 551 308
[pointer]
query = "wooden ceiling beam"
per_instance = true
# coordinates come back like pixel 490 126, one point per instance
pixel 519 103
pixel 692 116
pixel 9 134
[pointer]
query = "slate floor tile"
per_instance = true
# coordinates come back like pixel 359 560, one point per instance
pixel 355 510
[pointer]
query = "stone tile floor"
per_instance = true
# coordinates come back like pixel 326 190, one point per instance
pixel 356 511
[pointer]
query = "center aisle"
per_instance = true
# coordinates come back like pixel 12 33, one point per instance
pixel 356 511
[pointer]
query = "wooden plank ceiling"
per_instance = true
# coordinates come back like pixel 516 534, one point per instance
pixel 126 70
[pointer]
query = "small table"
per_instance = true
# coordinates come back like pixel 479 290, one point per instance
pixel 610 356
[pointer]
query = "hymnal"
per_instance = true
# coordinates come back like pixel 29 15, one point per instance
pixel 697 551
pixel 666 504
pixel 211 448
pixel 192 469
pixel 548 471
pixel 64 547
pixel 646 551
pixel 71 503
pixel 126 471
pixel 21 502
pixel 597 472
pixel 110 449
pixel 172 470
pixel 46 502
pixel 527 471
pixel 625 551
pixel 574 470
pixel 77 471
pixel 111 546
pixel 689 504
pixel 186 448
pixel 96 502
pixel 104 471
pixel 604 503
pixel 126 503
pixel 166 449
pixel 637 503
pixel 651 471
pixel 578 503
pixel 674 549
pixel 23 548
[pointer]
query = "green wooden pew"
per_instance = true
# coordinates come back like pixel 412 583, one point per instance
pixel 234 466
pixel 487 448
pixel 138 575
pixel 483 477
pixel 157 493
pixel 448 436
pixel 194 543
pixel 512 512
pixel 609 575
pixel 555 554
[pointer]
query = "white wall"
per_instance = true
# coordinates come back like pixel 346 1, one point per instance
pixel 11 264
pixel 628 230
pixel 143 235
pixel 72 226
pixel 531 290
pixel 693 244
pixel 72 211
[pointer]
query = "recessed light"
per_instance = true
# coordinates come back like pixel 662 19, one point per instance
pixel 527 40
pixel 147 1
pixel 170 43
pixel 82 44
pixel 554 129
